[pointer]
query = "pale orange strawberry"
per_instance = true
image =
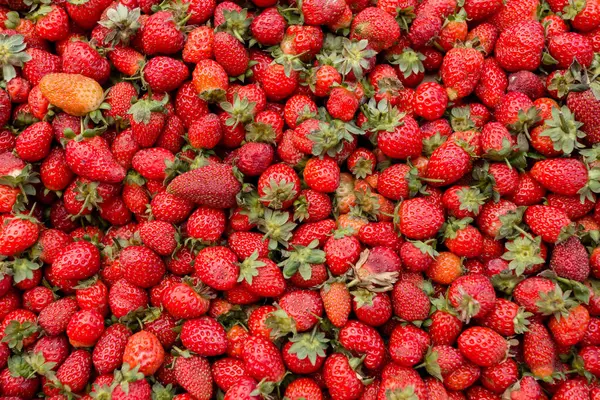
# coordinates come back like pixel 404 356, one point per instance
pixel 75 94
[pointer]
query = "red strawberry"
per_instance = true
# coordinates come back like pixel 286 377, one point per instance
pixel 204 336
pixel 141 266
pixel 143 349
pixel 340 377
pixel 78 261
pixel 472 295
pixel 262 359
pixel 194 375
pixel 161 34
pixel 108 352
pixel 17 234
pixel 213 185
pixel 461 82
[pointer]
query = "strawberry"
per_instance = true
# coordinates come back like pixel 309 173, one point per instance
pixel 360 338
pixel 124 297
pixel 199 44
pixel 277 84
pixel 261 277
pixel 85 328
pixel 584 105
pixel 213 185
pixel 472 296
pixel 341 378
pixel 230 54
pixel 514 13
pixel 304 307
pixel 268 27
pixel 552 174
pixel 399 381
pixel 110 347
pixel 210 80
pixel 17 234
pixel 341 251
pixel 568 47
pixel 336 301
pixel 252 159
pixel 539 350
pixel 80 58
pixel 305 353
pixel 322 175
pixel 410 302
pixel 161 34
pixel 507 318
pixel 419 219
pixel 204 336
pixel 570 260
pixel 74 372
pixel 509 48
pixel 164 74
pixel 408 345
pixel 447 164
pixel 143 349
pixel 78 261
pixel 430 101
pixel 147 118
pixel 482 346
pixel 227 372
pixel 377 27
pixel 278 186
pixel 141 266
pixel 547 221
pixel 458 81
pixel 73 93
pixel 91 158
pixel 217 267
pixel 262 359
pixel 193 374
pixel 303 388
pixel 570 328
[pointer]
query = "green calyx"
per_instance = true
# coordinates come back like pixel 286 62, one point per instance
pixel 381 116
pixel 512 225
pixel 142 110
pixel 301 259
pixel 16 332
pixel 20 269
pixel 471 199
pixel 309 345
pixel 523 253
pixel 564 130
pixel 278 192
pixel 260 132
pixel 280 323
pixel 277 228
pixel 355 57
pixel 363 297
pixel 122 24
pixel 409 62
pixel 127 375
pixel 241 111
pixel 12 54
pixel 249 268
pixel 454 225
pixel 236 24
pixel 460 119
pixel 329 138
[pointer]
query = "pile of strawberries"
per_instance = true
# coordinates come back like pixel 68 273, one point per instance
pixel 300 199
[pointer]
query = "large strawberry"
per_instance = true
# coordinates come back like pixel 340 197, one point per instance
pixel 213 185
